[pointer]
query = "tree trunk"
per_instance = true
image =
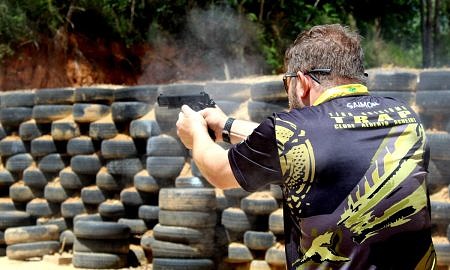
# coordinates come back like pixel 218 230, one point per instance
pixel 435 48
pixel 427 37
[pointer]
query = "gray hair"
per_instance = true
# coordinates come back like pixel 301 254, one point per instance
pixel 328 46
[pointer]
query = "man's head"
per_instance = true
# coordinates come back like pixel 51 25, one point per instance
pixel 327 46
pixel 333 47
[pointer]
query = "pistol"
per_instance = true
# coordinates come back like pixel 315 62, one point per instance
pixel 196 101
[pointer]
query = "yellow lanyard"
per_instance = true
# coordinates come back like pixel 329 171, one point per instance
pixel 341 91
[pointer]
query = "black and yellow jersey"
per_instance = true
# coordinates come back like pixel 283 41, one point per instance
pixel 352 168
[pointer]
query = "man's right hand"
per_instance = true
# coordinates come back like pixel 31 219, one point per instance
pixel 215 118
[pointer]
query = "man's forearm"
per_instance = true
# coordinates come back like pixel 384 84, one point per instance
pixel 241 129
pixel 212 161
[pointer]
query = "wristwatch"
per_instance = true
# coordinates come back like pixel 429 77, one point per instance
pixel 227 130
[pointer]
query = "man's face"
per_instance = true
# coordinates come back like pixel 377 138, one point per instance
pixel 295 101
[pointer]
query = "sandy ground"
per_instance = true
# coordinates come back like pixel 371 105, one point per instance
pixel 47 263
pixel 6 264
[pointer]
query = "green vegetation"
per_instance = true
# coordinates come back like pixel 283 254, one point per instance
pixel 407 33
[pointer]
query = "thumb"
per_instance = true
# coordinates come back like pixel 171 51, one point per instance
pixel 187 110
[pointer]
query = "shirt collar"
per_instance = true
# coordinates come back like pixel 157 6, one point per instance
pixel 341 91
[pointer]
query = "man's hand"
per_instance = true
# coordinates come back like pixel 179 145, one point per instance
pixel 189 123
pixel 215 119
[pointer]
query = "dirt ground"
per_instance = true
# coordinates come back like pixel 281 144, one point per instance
pixel 47 263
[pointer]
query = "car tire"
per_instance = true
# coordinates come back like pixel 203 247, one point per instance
pixel 12 145
pixel 30 130
pixel 53 163
pixel 103 129
pixel 10 219
pixel 183 235
pixel 42 208
pixel 144 93
pixel 55 193
pixel 99 260
pixel 236 220
pixel 101 230
pixel 28 234
pixel 89 112
pixel 72 180
pixel 51 96
pixel 114 246
pixel 18 98
pixel 82 145
pixel 259 203
pixel 13 117
pixel 101 95
pixel 164 145
pixel 144 128
pixel 43 146
pixel 29 250
pixel 146 183
pixel 50 113
pixel 189 219
pixel 93 195
pixel 165 167
pixel 65 129
pixel 111 210
pixel 121 146
pixel 127 111
pixel 434 80
pixel 276 222
pixel 268 91
pixel 259 240
pixel 105 181
pixel 276 255
pixel 126 167
pixel 182 264
pixel 137 226
pixel 187 199
pixel 86 164
pixel 72 207
pixel 239 253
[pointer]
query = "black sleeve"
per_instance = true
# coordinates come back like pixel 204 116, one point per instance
pixel 254 161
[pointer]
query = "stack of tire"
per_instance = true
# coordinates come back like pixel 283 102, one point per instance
pixel 11 218
pixel 433 97
pixel 254 227
pixel 31 241
pixel 15 108
pixel 185 235
pixel 267 97
pixel 395 83
pixel 100 245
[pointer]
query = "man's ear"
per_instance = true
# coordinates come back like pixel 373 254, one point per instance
pixel 306 84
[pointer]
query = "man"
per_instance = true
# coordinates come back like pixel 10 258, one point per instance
pixel 352 166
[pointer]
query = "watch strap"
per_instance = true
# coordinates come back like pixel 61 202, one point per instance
pixel 227 130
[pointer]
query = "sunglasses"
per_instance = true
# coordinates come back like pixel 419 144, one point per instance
pixel 309 73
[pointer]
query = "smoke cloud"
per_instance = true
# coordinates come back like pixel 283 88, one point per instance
pixel 218 43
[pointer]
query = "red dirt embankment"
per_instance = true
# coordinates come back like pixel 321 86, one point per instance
pixel 71 60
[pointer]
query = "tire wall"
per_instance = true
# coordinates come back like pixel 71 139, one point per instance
pixel 106 152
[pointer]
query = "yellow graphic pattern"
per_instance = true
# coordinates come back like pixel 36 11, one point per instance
pixel 296 160
pixel 323 248
pixel 359 217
